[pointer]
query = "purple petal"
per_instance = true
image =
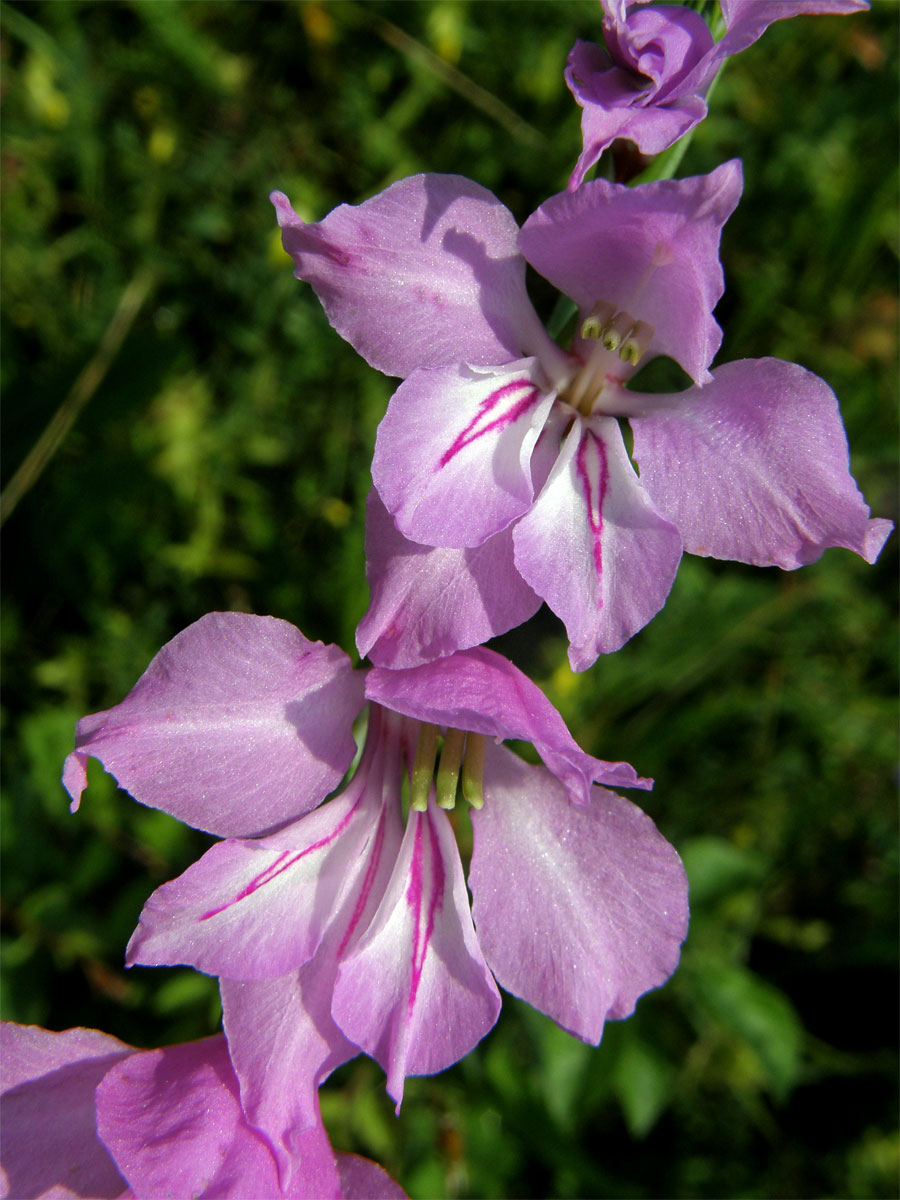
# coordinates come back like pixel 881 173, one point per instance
pixel 362 1179
pixel 747 20
pixel 283 1043
pixel 415 992
pixel 50 1145
pixel 427 603
pixel 424 274
pixel 281 1033
pixel 754 467
pixel 480 691
pixel 238 725
pixel 579 910
pixel 662 45
pixel 594 547
pixel 452 456
pixel 651 250
pixel 173 1120
pixel 259 909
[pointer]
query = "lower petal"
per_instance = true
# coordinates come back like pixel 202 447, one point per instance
pixel 415 993
pixel 593 545
pixel 754 467
pixel 579 909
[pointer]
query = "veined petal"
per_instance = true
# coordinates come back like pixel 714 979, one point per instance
pixel 238 725
pixel 480 691
pixel 452 455
pixel 415 992
pixel 428 602
pixel 50 1145
pixel 259 909
pixel 579 910
pixel 424 274
pixel 172 1119
pixel 594 547
pixel 754 466
pixel 652 251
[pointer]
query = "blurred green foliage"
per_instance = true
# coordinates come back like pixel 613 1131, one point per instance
pixel 222 462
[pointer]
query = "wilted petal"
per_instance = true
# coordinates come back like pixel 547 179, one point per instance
pixel 428 602
pixel 754 467
pixel 173 1120
pixel 415 992
pixel 424 274
pixel 652 251
pixel 50 1146
pixel 452 456
pixel 594 547
pixel 238 725
pixel 579 910
pixel 480 691
pixel 259 909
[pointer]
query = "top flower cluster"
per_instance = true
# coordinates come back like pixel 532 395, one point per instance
pixel 501 473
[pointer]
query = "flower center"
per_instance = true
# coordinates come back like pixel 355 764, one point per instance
pixel 622 342
pixel 461 755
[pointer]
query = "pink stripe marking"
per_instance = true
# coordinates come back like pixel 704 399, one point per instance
pixel 473 430
pixel 414 898
pixel 593 471
pixel 279 866
pixel 362 898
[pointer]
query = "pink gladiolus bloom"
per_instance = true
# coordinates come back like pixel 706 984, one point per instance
pixel 648 84
pixel 350 928
pixel 84 1115
pixel 501 458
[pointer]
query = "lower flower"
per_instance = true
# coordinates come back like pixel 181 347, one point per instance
pixel 349 928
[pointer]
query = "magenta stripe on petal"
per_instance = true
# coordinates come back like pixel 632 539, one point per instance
pixel 414 900
pixel 475 430
pixel 593 472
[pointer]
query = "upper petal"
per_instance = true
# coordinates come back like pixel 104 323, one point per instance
pixel 754 466
pixel 747 20
pixel 594 546
pixel 238 725
pixel 428 602
pixel 424 274
pixel 452 456
pixel 579 910
pixel 480 691
pixel 651 250
pixel 415 992
pixel 50 1145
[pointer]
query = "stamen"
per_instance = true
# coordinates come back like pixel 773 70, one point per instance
pixel 423 767
pixel 473 770
pixel 617 330
pixel 597 319
pixel 448 770
pixel 637 343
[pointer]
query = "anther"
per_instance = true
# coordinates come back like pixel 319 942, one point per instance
pixel 597 319
pixel 423 767
pixel 448 770
pixel 637 343
pixel 473 770
pixel 616 330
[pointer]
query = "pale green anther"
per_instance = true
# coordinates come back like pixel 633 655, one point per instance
pixel 423 767
pixel 473 770
pixel 448 769
pixel 596 320
pixel 617 330
pixel 637 343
